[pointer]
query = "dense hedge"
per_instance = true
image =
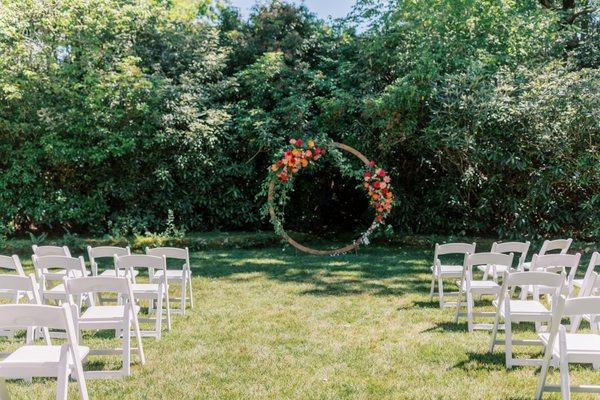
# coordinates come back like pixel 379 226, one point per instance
pixel 127 116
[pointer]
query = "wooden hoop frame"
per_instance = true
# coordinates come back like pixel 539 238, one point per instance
pixel 350 247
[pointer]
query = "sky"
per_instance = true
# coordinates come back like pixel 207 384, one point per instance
pixel 323 8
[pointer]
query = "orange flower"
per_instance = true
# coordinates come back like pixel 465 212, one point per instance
pixel 304 162
pixel 274 167
pixel 374 196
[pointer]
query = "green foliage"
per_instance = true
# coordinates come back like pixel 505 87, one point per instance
pixel 128 117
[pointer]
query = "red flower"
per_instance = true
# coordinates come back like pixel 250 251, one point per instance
pixel 377 185
pixel 380 172
pixel 367 175
pixel 279 163
pixel 372 163
pixel 379 218
pixel 283 177
pixel 298 142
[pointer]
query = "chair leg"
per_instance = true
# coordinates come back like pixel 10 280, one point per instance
pixel 543 374
pixel 494 332
pixel 508 342
pixel 168 308
pixel 183 293
pixel 191 291
pixel 441 291
pixel 126 368
pixel 158 315
pixel 432 289
pixel 470 311
pixel 138 336
pixel 62 383
pixel 565 387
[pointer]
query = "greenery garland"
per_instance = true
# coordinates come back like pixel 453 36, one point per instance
pixel 302 154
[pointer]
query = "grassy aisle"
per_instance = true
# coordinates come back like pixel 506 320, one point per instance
pixel 274 325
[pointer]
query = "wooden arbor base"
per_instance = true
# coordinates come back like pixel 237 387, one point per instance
pixel 350 247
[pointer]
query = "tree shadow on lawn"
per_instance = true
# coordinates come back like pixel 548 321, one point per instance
pixel 378 271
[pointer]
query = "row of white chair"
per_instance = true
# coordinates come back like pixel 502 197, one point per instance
pixel 455 271
pixel 546 274
pixel 75 287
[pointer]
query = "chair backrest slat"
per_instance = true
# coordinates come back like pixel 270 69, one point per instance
pixel 29 315
pixel 169 252
pixel 97 284
pixel 534 278
pixel 107 251
pixel 42 251
pixel 454 248
pixel 12 263
pixel 562 245
pixel 489 259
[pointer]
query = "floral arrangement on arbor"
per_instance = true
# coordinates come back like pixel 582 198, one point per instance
pixel 291 160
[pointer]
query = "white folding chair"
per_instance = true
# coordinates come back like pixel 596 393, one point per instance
pixel 566 263
pixel 155 291
pixel 550 246
pixel 564 348
pixel 591 286
pixel 18 287
pixel 516 311
pixel 12 265
pixel 31 360
pixel 43 251
pixel 183 276
pixel 120 318
pixel 106 252
pixel 521 248
pixel 594 262
pixel 54 269
pixel 444 271
pixel 469 287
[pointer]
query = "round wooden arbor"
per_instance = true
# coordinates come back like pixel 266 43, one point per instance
pixel 349 247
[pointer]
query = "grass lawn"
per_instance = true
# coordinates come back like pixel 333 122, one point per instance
pixel 272 324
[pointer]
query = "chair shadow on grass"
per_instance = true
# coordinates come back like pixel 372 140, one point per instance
pixel 378 271
pixel 482 361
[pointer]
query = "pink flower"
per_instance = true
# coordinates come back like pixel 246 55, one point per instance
pixel 372 163
pixel 292 141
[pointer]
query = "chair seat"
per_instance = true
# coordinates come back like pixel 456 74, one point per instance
pixel 56 290
pixel 447 270
pixel 526 310
pixel 63 272
pixel 500 269
pixel 145 288
pixel 482 286
pixel 581 347
pixel 112 273
pixel 172 274
pixel 104 313
pixel 36 357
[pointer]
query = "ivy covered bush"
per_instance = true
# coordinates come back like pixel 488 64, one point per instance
pixel 125 116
